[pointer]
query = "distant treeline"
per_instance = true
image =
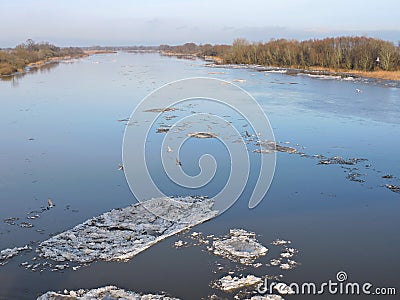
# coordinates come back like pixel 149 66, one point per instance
pixel 121 48
pixel 16 59
pixel 349 53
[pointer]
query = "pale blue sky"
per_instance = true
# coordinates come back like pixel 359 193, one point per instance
pixel 152 22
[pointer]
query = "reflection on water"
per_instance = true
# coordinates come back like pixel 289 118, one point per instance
pixel 61 139
pixel 45 68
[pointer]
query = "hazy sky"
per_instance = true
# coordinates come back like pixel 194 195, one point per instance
pixel 153 22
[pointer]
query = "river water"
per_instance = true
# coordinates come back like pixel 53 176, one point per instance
pixel 60 138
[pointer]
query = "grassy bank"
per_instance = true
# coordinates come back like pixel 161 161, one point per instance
pixel 386 75
pixel 378 74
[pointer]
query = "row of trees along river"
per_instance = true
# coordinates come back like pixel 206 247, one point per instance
pixel 348 53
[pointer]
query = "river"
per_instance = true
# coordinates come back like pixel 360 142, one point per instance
pixel 60 138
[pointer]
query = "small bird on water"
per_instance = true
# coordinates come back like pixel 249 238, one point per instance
pixel 178 162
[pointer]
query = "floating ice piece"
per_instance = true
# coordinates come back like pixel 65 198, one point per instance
pixel 33 217
pixel 388 176
pixel 270 146
pixel 229 283
pixel 179 244
pixel 286 255
pixel 283 289
pixel 289 252
pixel 279 242
pixel 337 160
pixel 25 225
pixel 240 246
pixel 275 262
pixel 11 220
pixel 121 234
pixel 9 253
pixel 285 266
pixel 162 130
pixel 202 135
pixel 107 292
pixel 161 110
pixel 267 297
pixel 393 188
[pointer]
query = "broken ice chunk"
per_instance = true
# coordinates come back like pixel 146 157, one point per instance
pixel 107 292
pixel 283 289
pixel 229 283
pixel 121 234
pixel 240 246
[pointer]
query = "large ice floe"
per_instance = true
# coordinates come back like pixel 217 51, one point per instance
pixel 229 283
pixel 102 293
pixel 240 245
pixel 121 234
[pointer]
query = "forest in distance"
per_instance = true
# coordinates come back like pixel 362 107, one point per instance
pixel 346 53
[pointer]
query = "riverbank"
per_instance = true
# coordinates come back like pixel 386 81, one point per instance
pixel 41 63
pixel 386 75
pixel 393 76
pixel 7 70
pixel 217 61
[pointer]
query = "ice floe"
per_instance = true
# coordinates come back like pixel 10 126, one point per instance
pixel 161 110
pixel 275 262
pixel 103 293
pixel 202 135
pixel 121 234
pixel 279 242
pixel 240 245
pixel 283 289
pixel 180 243
pixel 229 283
pixel 337 160
pixel 271 146
pixel 288 252
pixel 393 188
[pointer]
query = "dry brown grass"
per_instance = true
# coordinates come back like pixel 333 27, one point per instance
pixel 6 69
pixel 387 75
